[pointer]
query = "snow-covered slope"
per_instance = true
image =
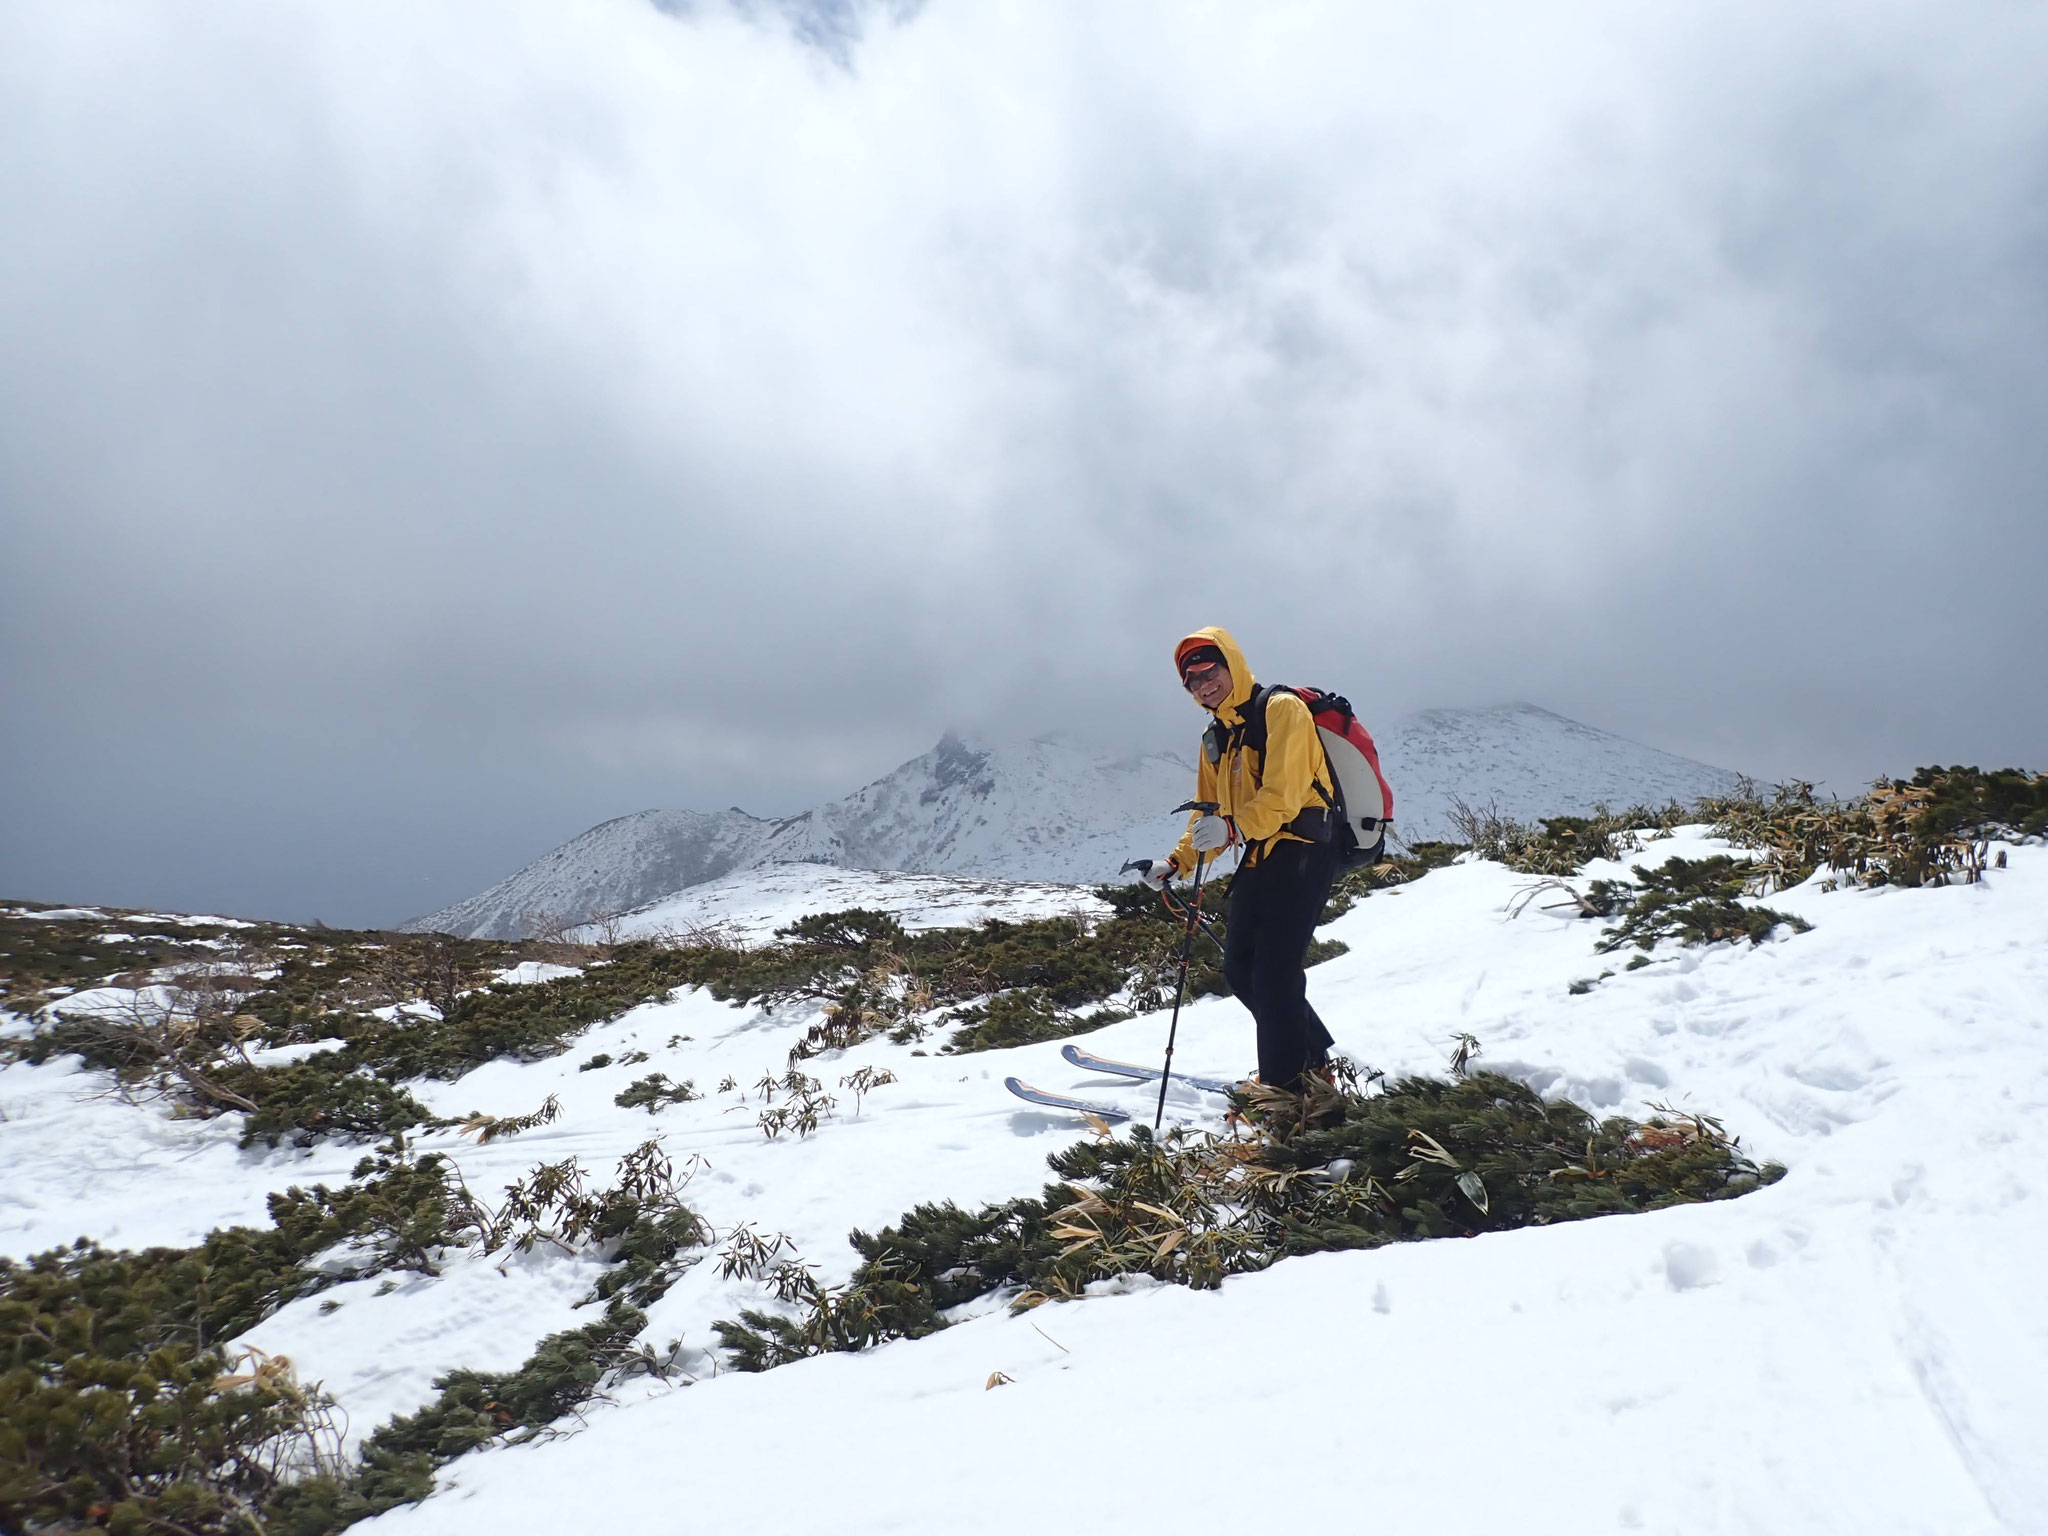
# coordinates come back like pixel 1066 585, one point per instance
pixel 615 866
pixel 1055 810
pixel 748 905
pixel 1858 1348
pixel 1527 763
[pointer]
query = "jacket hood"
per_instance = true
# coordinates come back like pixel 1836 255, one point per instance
pixel 1241 681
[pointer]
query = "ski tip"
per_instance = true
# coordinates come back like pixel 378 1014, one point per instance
pixel 1105 1112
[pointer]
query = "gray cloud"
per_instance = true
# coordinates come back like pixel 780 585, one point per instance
pixel 428 429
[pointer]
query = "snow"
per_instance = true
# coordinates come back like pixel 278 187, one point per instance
pixel 1856 1348
pixel 181 919
pixel 76 1160
pixel 284 1055
pixel 153 999
pixel 530 973
pixel 393 1013
pixel 748 906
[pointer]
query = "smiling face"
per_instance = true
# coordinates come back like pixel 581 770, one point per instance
pixel 1209 685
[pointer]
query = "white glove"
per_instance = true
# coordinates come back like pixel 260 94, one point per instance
pixel 1160 872
pixel 1210 833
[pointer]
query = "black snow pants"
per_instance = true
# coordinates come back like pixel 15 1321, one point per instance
pixel 1274 905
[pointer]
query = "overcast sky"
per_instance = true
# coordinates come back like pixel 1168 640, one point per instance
pixel 428 428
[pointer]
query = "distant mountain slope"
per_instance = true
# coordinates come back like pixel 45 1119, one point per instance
pixel 1048 810
pixel 1527 762
pixel 1032 810
pixel 614 867
pixel 1054 810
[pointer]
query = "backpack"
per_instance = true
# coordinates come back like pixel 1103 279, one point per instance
pixel 1364 809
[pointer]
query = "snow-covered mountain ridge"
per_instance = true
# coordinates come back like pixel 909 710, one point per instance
pixel 1054 810
pixel 1528 763
pixel 1036 811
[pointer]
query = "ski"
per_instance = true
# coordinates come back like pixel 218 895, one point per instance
pixel 1024 1090
pixel 1088 1061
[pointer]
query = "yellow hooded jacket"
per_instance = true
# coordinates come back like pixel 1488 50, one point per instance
pixel 1259 793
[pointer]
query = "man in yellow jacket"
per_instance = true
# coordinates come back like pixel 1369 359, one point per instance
pixel 1275 801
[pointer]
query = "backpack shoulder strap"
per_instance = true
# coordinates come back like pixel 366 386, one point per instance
pixel 1313 823
pixel 1253 732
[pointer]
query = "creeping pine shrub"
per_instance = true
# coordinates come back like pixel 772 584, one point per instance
pixel 1422 1158
pixel 1694 901
pixel 2007 802
pixel 356 1089
pixel 301 1101
pixel 1011 1018
pixel 120 1409
pixel 41 954
pixel 119 1403
pixel 655 1092
pixel 1560 845
pixel 523 1023
pixel 397 1214
pixel 1006 983
pixel 1927 830
pixel 172 1440
pixel 195 1011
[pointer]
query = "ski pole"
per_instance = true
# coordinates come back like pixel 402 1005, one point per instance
pixel 1187 946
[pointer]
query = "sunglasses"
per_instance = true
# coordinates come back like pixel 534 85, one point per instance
pixel 1199 677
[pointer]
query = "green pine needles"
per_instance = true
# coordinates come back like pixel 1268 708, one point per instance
pixel 122 1408
pixel 655 1092
pixel 398 1007
pixel 1694 901
pixel 1423 1158
pixel 997 985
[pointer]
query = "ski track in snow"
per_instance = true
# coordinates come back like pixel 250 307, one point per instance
pixel 1857 1348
